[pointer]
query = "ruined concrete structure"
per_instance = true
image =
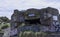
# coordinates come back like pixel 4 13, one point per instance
pixel 45 19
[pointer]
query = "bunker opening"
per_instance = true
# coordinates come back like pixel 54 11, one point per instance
pixel 33 21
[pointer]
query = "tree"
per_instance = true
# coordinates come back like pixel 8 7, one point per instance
pixel 4 19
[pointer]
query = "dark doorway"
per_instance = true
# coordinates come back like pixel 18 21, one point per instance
pixel 33 21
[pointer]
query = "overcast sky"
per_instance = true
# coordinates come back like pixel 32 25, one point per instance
pixel 7 6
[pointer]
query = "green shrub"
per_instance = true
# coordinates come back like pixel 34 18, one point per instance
pixel 6 26
pixel 27 34
pixel 32 34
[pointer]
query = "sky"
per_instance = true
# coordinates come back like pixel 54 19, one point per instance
pixel 7 6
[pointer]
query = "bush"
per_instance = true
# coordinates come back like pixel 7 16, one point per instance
pixel 5 26
pixel 32 34
pixel 27 34
pixel 40 34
